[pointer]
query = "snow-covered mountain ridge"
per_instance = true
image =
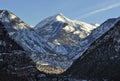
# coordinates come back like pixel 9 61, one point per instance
pixel 56 41
pixel 11 21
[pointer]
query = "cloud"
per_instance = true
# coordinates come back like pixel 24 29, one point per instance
pixel 100 10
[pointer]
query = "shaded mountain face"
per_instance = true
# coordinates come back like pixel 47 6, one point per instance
pixel 102 59
pixel 6 43
pixel 15 63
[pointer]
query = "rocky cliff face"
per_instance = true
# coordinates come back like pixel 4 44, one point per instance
pixel 102 59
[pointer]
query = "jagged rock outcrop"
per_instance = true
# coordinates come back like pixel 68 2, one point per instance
pixel 102 59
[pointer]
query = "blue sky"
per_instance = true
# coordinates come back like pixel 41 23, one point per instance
pixel 91 11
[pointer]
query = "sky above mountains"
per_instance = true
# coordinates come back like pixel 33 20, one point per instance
pixel 91 11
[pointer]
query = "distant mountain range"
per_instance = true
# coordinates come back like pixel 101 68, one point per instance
pixel 58 43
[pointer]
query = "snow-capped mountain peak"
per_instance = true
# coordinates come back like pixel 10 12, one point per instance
pixel 56 23
pixel 60 17
pixel 49 20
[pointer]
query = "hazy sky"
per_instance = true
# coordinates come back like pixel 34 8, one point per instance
pixel 91 11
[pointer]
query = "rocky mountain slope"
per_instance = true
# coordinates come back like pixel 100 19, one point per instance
pixel 6 43
pixel 102 58
pixel 15 64
pixel 17 29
